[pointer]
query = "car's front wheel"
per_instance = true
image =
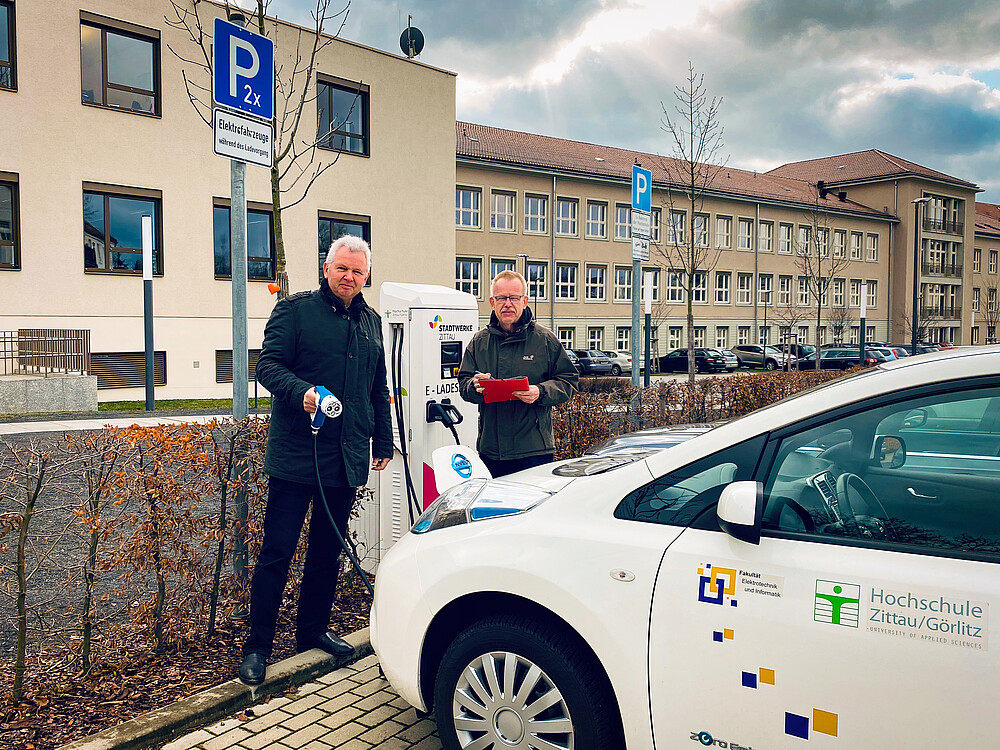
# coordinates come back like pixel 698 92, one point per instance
pixel 771 364
pixel 508 681
pixel 616 370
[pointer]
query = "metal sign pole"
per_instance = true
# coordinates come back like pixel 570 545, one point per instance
pixel 147 309
pixel 238 253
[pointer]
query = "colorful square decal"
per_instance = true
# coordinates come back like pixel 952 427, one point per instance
pixel 825 722
pixel 728 634
pixel 766 676
pixel 796 726
pixel 717 636
pixel 716 585
pixel 750 680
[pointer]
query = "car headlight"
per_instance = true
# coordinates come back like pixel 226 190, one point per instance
pixel 476 500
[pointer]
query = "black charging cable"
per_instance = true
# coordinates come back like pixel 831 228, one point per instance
pixel 396 366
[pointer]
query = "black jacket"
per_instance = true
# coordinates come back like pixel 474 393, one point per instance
pixel 514 429
pixel 311 339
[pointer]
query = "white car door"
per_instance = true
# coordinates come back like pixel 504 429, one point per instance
pixel 862 618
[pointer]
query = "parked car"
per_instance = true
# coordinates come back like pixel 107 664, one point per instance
pixel 887 351
pixel 592 362
pixel 655 438
pixel 755 355
pixel 574 359
pixel 837 358
pixel 797 351
pixel 786 561
pixel 705 360
pixel 732 361
pixel 621 362
pixel 921 348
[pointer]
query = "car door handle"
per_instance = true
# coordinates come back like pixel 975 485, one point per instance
pixel 922 497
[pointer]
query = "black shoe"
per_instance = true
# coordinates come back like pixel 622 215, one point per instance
pixel 252 669
pixel 333 645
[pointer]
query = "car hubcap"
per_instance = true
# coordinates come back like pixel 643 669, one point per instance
pixel 505 701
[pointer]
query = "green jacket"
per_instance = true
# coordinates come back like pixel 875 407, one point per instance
pixel 513 429
pixel 311 339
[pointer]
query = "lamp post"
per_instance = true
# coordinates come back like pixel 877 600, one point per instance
pixel 916 273
pixel 526 281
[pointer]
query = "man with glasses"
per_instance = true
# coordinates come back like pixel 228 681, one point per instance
pixel 516 434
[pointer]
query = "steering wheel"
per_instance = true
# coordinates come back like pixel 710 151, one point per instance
pixel 854 495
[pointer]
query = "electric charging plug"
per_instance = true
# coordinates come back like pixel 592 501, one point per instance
pixel 328 406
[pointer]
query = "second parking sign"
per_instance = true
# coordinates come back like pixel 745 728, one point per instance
pixel 243 70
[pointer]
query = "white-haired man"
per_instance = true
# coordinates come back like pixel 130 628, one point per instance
pixel 327 337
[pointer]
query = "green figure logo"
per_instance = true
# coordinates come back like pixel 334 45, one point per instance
pixel 837 603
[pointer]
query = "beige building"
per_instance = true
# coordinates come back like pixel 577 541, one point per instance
pixel 841 228
pixel 985 264
pixel 99 130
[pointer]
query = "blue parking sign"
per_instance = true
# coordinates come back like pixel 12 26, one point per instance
pixel 243 70
pixel 642 189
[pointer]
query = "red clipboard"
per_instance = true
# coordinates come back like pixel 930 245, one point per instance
pixel 502 390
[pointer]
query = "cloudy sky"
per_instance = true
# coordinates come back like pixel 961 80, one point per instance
pixel 798 79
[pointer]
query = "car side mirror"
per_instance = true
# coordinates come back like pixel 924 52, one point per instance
pixel 915 418
pixel 888 452
pixel 740 509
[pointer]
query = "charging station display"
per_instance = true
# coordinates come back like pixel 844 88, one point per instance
pixel 425 330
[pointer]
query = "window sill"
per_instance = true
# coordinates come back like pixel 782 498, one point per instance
pixel 127 274
pixel 362 154
pixel 126 110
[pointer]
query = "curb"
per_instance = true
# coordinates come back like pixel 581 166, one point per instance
pixel 162 725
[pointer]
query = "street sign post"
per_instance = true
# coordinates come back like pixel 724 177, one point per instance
pixel 243 70
pixel 642 204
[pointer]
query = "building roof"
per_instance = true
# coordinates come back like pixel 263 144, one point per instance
pixel 500 147
pixel 862 166
pixel 988 219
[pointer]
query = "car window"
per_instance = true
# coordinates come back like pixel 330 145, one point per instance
pixel 681 497
pixel 923 474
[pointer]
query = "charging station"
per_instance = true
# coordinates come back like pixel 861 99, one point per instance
pixel 425 330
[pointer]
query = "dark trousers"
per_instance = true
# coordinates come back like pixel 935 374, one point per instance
pixel 502 468
pixel 287 503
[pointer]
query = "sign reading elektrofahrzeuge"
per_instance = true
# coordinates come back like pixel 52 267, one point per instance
pixel 243 138
pixel 642 203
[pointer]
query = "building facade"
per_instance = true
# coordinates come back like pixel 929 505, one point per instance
pixel 792 255
pixel 100 130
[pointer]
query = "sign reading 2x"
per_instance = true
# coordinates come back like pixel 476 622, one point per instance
pixel 243 70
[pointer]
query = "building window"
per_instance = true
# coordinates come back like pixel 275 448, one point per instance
pixel 112 230
pixel 839 243
pixel 8 67
pixel 674 336
pixel 468 272
pixel 675 286
pixel 785 239
pixel 784 291
pixel 765 287
pixel 699 336
pixel 869 333
pixel 595 338
pixel 536 214
pixel 993 261
pixel 977 260
pixel 975 299
pixel 597 220
pixel 838 292
pixel 855 245
pixel 803 290
pixel 120 65
pixel 699 225
pixel 723 283
pixel 722 337
pixel 499 265
pixel 764 335
pixel 536 280
pixel 803 334
pixel 823 242
pixel 744 234
pixel 854 335
pixel 623 338
pixel 623 284
pixel 566 211
pixel 744 285
pixel 565 281
pixel 10 256
pixel 823 285
pixel 991 301
pixel 975 336
pixel 333 226
pixel 872 302
pixel 723 232
pixel 803 244
pixel 743 335
pixel 623 222
pixel 595 282
pixel 654 226
pixel 567 337
pixel 675 232
pixel 502 211
pixel 342 108
pixel 655 273
pixel 765 237
pixel 855 300
pixel 873 248
pixel 260 243
pixel 467 207
pixel 699 287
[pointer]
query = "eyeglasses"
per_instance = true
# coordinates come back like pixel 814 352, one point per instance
pixel 508 298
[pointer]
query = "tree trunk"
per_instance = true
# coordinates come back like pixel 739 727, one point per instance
pixel 281 276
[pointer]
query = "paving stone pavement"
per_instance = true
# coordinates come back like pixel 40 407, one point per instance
pixel 350 709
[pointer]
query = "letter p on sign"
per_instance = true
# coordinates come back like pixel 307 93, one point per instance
pixel 243 70
pixel 642 189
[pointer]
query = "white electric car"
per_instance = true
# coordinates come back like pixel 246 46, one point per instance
pixel 821 573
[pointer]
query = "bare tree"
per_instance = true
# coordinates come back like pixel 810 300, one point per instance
pixel 789 316
pixel 840 319
pixel 696 133
pixel 904 325
pixel 990 311
pixel 297 162
pixel 817 261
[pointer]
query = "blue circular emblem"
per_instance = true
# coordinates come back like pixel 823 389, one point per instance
pixel 461 465
pixel 705 738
